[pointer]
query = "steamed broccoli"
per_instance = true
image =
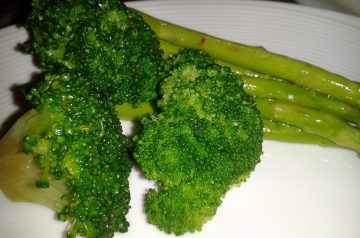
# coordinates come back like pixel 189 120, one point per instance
pixel 206 138
pixel 101 39
pixel 68 153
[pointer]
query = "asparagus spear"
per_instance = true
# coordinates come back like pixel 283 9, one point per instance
pixel 311 121
pixel 284 132
pixel 272 130
pixel 262 87
pixel 260 60
pixel 171 49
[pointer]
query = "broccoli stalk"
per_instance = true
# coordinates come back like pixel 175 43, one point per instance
pixel 19 171
pixel 260 60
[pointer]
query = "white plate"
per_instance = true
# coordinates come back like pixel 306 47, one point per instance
pixel 297 190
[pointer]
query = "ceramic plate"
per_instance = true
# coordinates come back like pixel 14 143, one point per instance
pixel 296 190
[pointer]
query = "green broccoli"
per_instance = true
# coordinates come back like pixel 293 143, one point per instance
pixel 74 152
pixel 101 39
pixel 206 138
pixel 68 151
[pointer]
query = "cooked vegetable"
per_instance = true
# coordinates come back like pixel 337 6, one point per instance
pixel 274 85
pixel 101 39
pixel 206 138
pixel 269 88
pixel 259 60
pixel 311 121
pixel 284 132
pixel 68 153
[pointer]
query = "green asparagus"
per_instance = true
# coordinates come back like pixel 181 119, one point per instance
pixel 269 75
pixel 260 60
pixel 171 49
pixel 284 132
pixel 311 121
pixel 261 87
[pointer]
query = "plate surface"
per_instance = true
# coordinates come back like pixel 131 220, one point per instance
pixel 296 191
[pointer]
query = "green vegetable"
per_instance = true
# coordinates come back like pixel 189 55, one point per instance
pixel 20 171
pixel 68 153
pixel 261 85
pixel 311 121
pixel 269 88
pixel 126 111
pixel 284 132
pixel 260 60
pixel 101 39
pixel 96 54
pixel 206 138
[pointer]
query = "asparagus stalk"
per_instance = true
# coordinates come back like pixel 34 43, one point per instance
pixel 171 49
pixel 260 60
pixel 272 130
pixel 284 132
pixel 262 87
pixel 311 121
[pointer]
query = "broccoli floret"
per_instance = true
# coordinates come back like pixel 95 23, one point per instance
pixel 70 145
pixel 101 39
pixel 96 54
pixel 206 138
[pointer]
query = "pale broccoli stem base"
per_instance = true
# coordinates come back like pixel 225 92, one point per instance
pixel 19 171
pixel 260 60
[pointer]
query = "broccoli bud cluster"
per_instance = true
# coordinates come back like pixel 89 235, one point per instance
pixel 206 138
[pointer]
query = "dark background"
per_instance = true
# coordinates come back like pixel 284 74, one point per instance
pixel 15 11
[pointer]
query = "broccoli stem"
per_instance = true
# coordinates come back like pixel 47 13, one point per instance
pixel 19 171
pixel 260 60
pixel 262 87
pixel 126 111
pixel 284 132
pixel 169 48
pixel 311 121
